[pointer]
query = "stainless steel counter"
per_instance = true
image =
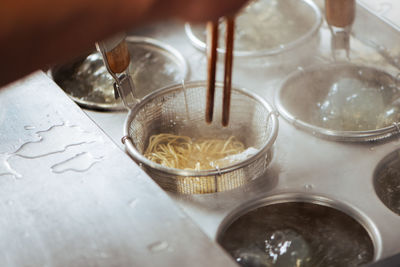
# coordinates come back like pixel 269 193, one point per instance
pixel 70 197
pixel 303 166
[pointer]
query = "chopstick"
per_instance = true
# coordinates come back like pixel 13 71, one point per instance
pixel 226 102
pixel 212 44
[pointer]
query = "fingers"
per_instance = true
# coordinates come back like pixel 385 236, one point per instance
pixel 200 10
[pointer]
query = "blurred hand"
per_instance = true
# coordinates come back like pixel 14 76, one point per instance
pixel 202 10
pixel 36 33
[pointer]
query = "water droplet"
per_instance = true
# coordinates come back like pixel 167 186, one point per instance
pixel 219 170
pixel 308 187
pixel 133 203
pixel 104 255
pixel 48 143
pixel 158 246
pixel 81 162
pixel 5 167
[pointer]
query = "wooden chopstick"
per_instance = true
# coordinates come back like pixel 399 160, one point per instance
pixel 212 44
pixel 226 102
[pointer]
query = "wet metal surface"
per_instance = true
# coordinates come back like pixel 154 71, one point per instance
pixel 70 197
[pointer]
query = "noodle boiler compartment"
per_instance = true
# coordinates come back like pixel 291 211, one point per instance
pixel 319 102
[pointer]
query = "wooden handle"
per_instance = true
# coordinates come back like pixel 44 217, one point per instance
pixel 118 58
pixel 212 44
pixel 340 13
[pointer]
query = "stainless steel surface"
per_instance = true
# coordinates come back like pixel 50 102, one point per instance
pixel 153 65
pixel 267 28
pixel 70 197
pixel 344 102
pixel 179 110
pixel 302 164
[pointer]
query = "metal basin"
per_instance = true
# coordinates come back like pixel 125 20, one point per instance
pixel 298 230
pixel 267 28
pixel 153 65
pixel 341 102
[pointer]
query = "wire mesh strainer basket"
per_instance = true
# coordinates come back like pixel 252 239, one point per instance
pixel 179 110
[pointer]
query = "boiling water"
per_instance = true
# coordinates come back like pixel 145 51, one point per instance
pixel 387 185
pixel 152 69
pixel 88 81
pixel 297 234
pixel 355 105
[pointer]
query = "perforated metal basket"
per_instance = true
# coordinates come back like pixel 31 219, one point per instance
pixel 181 111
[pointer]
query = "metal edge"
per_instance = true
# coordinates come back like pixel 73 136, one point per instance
pixel 322 200
pixel 385 20
pixel 197 43
pixel 132 151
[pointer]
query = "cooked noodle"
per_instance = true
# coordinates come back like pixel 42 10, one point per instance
pixel 182 152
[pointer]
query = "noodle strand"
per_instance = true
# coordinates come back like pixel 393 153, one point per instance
pixel 182 152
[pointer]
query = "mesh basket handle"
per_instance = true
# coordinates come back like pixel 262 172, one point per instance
pixel 117 58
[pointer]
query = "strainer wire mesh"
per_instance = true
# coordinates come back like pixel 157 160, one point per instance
pixel 171 110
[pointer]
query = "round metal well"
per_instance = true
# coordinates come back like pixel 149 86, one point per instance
pixel 266 28
pixel 387 181
pixel 341 101
pixel 298 230
pixel 153 66
pixel 180 110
